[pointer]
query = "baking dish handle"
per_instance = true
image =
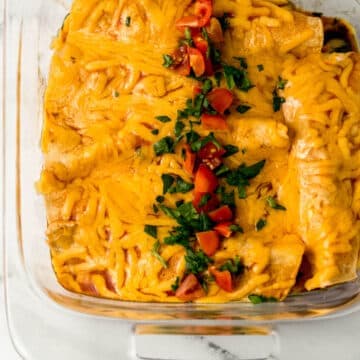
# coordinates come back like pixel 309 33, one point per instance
pixel 168 342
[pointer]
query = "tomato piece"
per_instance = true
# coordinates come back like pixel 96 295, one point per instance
pixel 197 61
pixel 181 61
pixel 190 289
pixel 191 21
pixel 205 180
pixel 209 69
pixel 211 204
pixel 220 99
pixel 209 241
pixel 221 214
pixel 189 161
pixel 211 155
pixel 203 10
pixel 201 44
pixel 214 122
pixel 214 31
pixel 223 279
pixel 223 229
pixel 184 68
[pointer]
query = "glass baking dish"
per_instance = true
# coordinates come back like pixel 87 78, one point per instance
pixel 29 28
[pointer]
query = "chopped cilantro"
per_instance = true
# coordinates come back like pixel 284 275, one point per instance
pixel 179 235
pixel 176 284
pixel 277 101
pixel 192 137
pixel 128 21
pixel 200 143
pixel 175 184
pixel 168 181
pixel 179 203
pixel 236 228
pixel 259 299
pixel 218 76
pixel 163 118
pixel 242 109
pixel 222 170
pixel 155 252
pixel 168 61
pixel 160 199
pixel 281 83
pixel 274 204
pixel 204 199
pixel 196 261
pixel 179 127
pixel 151 230
pixel 230 150
pixel 224 21
pixel 205 223
pixel 207 86
pixel 116 94
pixel 164 146
pixel 260 67
pixel 243 62
pixel 260 224
pixel 234 266
pixel 155 132
pixel 226 198
pixel 237 77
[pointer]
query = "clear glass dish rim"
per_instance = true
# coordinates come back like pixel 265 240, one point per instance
pixel 293 308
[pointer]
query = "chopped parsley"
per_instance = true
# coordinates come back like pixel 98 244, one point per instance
pixel 116 94
pixel 164 146
pixel 151 230
pixel 226 198
pixel 173 184
pixel 222 170
pixel 236 228
pixel 260 224
pixel 207 86
pixel 277 101
pixel 242 109
pixel 163 118
pixel 204 199
pixel 155 132
pixel 274 204
pixel 196 261
pixel 160 199
pixel 155 252
pixel 230 150
pixel 128 21
pixel 179 127
pixel 218 76
pixel 235 266
pixel 176 284
pixel 243 62
pixel 201 142
pixel 281 83
pixel 155 209
pixel 168 61
pixel 259 299
pixel 179 235
pixel 260 67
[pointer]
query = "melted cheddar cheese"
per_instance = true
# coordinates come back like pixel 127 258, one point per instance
pixel 106 87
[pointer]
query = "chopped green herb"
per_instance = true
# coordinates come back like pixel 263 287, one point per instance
pixel 230 150
pixel 200 143
pixel 160 199
pixel 281 83
pixel 236 228
pixel 196 261
pixel 155 252
pixel 207 86
pixel 204 199
pixel 237 77
pixel 179 127
pixel 128 21
pixel 155 209
pixel 116 94
pixel 218 76
pixel 168 61
pixel 243 151
pixel 151 230
pixel 234 266
pixel 226 198
pixel 205 223
pixel 244 172
pixel 260 224
pixel 188 33
pixel 260 67
pixel 243 62
pixel 259 299
pixel 164 146
pixel 179 203
pixel 242 109
pixel 175 184
pixel 224 21
pixel 155 132
pixel 222 170
pixel 163 118
pixel 176 284
pixel 192 137
pixel 179 235
pixel 274 204
pixel 277 101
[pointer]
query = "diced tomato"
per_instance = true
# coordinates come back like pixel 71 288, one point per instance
pixel 203 12
pixel 223 229
pixel 220 99
pixel 221 214
pixel 201 44
pixel 205 180
pixel 181 61
pixel 209 241
pixel 190 289
pixel 214 122
pixel 223 279
pixel 211 204
pixel 184 68
pixel 196 91
pixel 197 61
pixel 189 161
pixel 209 69
pixel 211 155
pixel 214 31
